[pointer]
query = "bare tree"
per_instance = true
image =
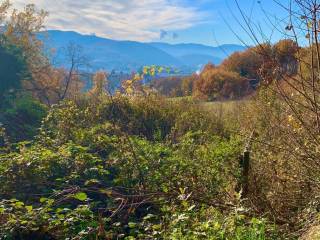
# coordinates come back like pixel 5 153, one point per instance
pixel 76 62
pixel 52 84
pixel 287 111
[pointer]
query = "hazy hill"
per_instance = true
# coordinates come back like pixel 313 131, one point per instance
pixel 127 56
pixel 180 50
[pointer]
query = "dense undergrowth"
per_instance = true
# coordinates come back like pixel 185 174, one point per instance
pixel 120 168
pixel 134 165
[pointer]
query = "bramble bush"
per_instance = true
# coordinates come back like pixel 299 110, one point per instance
pixel 120 168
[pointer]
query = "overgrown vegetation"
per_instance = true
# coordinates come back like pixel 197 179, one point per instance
pixel 137 165
pixel 126 167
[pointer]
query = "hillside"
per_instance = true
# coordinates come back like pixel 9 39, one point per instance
pixel 127 56
pixel 180 50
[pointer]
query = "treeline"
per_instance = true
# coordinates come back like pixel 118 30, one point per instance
pixel 29 83
pixel 236 77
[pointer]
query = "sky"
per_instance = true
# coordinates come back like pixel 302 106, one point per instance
pixel 209 22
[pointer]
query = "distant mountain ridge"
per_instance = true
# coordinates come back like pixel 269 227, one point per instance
pixel 128 56
pixel 182 49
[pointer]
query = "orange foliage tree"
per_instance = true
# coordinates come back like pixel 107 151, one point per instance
pixel 285 53
pixel 218 84
pixel 245 63
pixel 100 84
pixel 50 87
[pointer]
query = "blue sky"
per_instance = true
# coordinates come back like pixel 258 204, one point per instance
pixel 223 22
pixel 173 21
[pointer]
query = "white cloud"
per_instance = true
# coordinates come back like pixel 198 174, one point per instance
pixel 140 20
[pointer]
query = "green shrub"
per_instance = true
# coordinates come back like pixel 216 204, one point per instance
pixel 92 174
pixel 21 117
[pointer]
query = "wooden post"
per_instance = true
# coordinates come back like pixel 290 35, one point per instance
pixel 245 172
pixel 4 142
pixel 245 167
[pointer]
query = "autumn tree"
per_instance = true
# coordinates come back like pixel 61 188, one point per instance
pixel 21 29
pixel 54 84
pixel 245 63
pixel 255 61
pixel 19 38
pixel 21 58
pixel 135 85
pixel 100 84
pixel 285 53
pixel 76 61
pixel 168 86
pixel 286 115
pixel 16 45
pixel 218 83
pixel 187 85
pixel 175 86
pixel 4 8
pixel 51 86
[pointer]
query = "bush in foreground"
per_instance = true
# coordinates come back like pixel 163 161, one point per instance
pixel 96 171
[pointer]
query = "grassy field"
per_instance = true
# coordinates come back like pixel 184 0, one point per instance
pixel 225 107
pixel 229 113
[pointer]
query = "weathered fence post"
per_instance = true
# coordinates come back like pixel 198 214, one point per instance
pixel 245 171
pixel 245 166
pixel 4 142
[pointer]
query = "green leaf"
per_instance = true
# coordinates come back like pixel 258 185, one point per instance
pixel 81 196
pixel 43 199
pixel 19 204
pixel 149 216
pixel 165 189
pixel 29 208
pixel 106 191
pixel 91 182
pixel 132 225
pixel 156 227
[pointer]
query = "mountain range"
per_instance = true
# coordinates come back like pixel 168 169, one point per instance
pixel 128 56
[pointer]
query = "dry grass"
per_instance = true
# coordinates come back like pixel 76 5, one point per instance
pixel 225 106
pixel 312 234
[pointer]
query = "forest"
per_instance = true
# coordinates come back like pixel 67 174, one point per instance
pixel 230 153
